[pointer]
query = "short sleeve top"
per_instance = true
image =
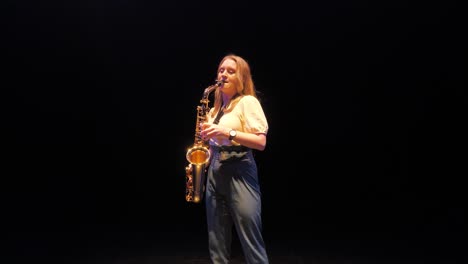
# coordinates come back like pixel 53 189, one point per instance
pixel 246 116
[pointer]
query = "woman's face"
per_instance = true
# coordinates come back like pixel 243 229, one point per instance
pixel 228 72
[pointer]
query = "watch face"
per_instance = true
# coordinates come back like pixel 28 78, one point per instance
pixel 232 134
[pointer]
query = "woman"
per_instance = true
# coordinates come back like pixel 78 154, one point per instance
pixel 235 126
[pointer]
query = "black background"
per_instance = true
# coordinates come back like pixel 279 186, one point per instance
pixel 364 100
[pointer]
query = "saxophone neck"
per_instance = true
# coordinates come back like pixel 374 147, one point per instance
pixel 208 90
pixel 211 88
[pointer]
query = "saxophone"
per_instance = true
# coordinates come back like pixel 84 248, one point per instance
pixel 198 155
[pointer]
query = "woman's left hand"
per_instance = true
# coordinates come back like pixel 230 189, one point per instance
pixel 213 130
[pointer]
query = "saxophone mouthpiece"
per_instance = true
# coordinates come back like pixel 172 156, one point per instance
pixel 220 82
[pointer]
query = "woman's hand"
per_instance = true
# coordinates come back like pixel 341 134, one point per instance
pixel 250 140
pixel 213 130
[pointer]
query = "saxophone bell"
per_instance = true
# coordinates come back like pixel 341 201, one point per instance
pixel 198 154
pixel 198 157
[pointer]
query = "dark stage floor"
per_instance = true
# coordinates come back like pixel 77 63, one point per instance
pixel 147 248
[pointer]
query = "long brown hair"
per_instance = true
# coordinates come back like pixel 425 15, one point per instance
pixel 245 80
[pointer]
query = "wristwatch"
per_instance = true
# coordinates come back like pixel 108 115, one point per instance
pixel 232 134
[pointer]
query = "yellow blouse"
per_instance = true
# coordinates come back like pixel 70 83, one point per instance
pixel 246 116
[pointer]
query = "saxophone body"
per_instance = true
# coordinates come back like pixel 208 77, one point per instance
pixel 198 155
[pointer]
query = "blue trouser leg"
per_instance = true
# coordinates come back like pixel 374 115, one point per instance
pixel 233 198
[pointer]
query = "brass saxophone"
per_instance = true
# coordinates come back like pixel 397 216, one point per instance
pixel 198 155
